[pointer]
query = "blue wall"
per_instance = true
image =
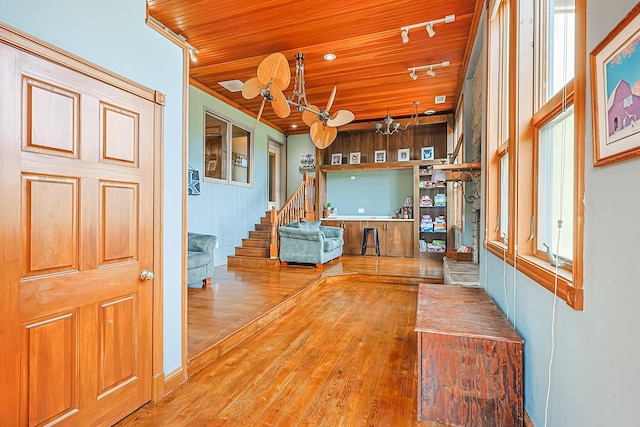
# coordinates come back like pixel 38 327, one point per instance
pixel 379 192
pixel 224 210
pixel 114 35
pixel 595 371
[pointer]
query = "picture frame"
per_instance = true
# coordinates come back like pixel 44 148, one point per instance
pixel 354 158
pixel 615 66
pixel 427 153
pixel 404 155
pixel 380 156
pixel 336 159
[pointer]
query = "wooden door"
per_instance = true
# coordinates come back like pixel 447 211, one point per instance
pixel 79 180
pixel 394 238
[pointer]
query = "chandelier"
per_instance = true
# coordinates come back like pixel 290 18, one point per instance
pixel 389 127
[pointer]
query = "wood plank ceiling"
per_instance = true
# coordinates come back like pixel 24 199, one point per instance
pixel 370 70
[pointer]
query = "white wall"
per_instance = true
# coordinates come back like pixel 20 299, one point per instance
pixel 595 372
pixel 113 34
pixel 224 210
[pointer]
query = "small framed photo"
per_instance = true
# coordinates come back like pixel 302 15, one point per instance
pixel 354 158
pixel 336 159
pixel 427 153
pixel 403 155
pixel 381 156
pixel 616 104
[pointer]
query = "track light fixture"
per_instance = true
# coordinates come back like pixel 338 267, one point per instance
pixel 405 36
pixel 404 31
pixel 429 68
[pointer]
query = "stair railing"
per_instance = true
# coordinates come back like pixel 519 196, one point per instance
pixel 301 205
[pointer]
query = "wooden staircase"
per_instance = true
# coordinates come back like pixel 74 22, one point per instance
pixel 261 248
pixel 256 250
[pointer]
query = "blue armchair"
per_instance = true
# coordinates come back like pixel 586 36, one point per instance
pixel 310 243
pixel 200 258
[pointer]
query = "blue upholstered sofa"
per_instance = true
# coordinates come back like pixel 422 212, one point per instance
pixel 310 243
pixel 200 258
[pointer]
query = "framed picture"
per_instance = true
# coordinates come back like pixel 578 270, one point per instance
pixel 336 159
pixel 404 155
pixel 427 153
pixel 354 158
pixel 380 156
pixel 615 72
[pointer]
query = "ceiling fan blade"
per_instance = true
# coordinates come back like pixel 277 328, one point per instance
pixel 259 113
pixel 332 97
pixel 322 136
pixel 342 117
pixel 251 88
pixel 308 117
pixel 275 68
pixel 279 104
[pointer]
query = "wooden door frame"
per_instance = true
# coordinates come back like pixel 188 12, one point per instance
pixel 22 41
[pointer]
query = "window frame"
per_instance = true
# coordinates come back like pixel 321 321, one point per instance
pixel 498 139
pixel 229 157
pixel 526 118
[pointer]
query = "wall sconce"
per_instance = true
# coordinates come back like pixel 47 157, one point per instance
pixel 429 68
pixel 404 31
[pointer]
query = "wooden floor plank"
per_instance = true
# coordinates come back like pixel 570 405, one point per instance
pixel 345 354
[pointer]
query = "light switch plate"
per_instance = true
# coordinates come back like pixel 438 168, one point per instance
pixel 360 210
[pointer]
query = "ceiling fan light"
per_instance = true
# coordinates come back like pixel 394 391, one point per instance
pixel 430 30
pixel 405 36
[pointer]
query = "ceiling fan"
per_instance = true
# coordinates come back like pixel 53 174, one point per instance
pixel 321 123
pixel 273 77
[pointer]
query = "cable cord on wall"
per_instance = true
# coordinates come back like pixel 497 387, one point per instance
pixel 559 225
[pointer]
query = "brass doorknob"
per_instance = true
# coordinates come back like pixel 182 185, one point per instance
pixel 146 275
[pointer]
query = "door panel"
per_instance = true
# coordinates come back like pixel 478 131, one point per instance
pixel 85 191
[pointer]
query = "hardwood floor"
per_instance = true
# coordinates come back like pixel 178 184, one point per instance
pixel 343 353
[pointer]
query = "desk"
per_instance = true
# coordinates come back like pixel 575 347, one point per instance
pixel 469 359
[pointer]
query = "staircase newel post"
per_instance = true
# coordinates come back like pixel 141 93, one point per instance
pixel 273 219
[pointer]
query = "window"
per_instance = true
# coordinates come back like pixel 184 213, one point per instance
pixel 227 151
pixel 555 187
pixel 498 127
pixel 535 148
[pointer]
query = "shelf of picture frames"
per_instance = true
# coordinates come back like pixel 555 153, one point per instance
pixel 380 166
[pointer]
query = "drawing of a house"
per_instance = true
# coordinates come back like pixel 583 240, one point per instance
pixel 623 107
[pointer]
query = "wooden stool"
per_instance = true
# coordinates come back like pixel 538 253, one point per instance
pixel 365 241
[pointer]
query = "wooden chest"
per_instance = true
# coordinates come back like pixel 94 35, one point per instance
pixel 469 359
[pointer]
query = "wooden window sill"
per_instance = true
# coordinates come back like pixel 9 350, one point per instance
pixel 544 273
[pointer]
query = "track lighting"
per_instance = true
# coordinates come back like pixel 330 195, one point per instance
pixel 430 30
pixel 405 36
pixel 429 68
pixel 404 31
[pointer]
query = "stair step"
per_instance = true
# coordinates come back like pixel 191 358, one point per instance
pixel 263 227
pixel 255 243
pixel 252 252
pixel 242 261
pixel 265 220
pixel 261 235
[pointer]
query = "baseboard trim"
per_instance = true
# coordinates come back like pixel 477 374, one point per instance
pixel 527 420
pixel 173 380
